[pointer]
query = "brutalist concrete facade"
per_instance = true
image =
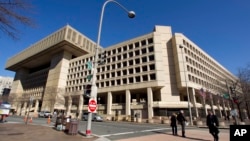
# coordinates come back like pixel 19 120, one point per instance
pixel 143 75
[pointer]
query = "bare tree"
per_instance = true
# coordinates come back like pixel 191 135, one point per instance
pixel 13 12
pixel 244 80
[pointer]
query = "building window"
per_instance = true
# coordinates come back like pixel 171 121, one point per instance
pixel 143 42
pixel 144 59
pixel 137 52
pixel 145 77
pixel 131 71
pixel 152 77
pixel 131 80
pixel 124 80
pixel 150 40
pixel 137 44
pixel 124 48
pixel 124 64
pixel 124 72
pixel 137 61
pixel 125 56
pixel 131 62
pixel 152 67
pixel 144 51
pixel 151 58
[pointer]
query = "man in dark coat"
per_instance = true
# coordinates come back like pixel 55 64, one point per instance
pixel 213 123
pixel 182 121
pixel 173 124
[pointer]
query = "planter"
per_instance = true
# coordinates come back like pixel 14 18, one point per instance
pixel 222 124
pixel 198 123
pixel 165 121
pixel 150 121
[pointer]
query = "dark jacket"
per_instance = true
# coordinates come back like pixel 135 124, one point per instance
pixel 212 120
pixel 181 119
pixel 173 120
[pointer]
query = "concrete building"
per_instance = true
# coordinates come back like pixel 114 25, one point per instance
pixel 5 83
pixel 150 75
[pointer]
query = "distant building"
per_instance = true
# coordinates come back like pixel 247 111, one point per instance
pixel 5 83
pixel 150 75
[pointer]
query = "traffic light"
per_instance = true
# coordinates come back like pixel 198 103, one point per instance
pixel 87 90
pixel 103 57
pixel 236 100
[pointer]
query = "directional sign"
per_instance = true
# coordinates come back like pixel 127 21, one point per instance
pixel 89 65
pixel 92 106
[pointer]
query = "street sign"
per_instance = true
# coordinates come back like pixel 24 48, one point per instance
pixel 89 65
pixel 92 106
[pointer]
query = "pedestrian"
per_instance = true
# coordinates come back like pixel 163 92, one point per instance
pixel 182 121
pixel 213 123
pixel 173 124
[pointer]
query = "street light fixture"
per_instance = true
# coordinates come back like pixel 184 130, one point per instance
pixel 131 14
pixel 189 107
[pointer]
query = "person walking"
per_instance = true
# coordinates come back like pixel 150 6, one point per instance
pixel 182 121
pixel 173 124
pixel 213 123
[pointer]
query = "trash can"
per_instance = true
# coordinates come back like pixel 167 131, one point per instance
pixel 73 127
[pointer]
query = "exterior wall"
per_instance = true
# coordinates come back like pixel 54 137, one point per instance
pixel 142 75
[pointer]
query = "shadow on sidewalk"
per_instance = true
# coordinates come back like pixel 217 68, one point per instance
pixel 191 138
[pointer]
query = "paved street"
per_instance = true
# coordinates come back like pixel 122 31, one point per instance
pixel 15 131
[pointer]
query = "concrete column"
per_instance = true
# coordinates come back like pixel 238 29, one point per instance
pixel 109 103
pixel 204 104
pixel 24 108
pixel 224 107
pixel 80 107
pixel 193 100
pixel 218 106
pixel 19 110
pixel 36 106
pixel 150 103
pixel 128 103
pixel 69 106
pixel 211 102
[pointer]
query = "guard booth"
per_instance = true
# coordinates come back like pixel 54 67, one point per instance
pixel 136 116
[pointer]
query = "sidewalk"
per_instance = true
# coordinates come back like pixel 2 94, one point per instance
pixel 191 135
pixel 23 132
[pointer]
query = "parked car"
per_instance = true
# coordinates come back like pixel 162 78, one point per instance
pixel 95 117
pixel 45 114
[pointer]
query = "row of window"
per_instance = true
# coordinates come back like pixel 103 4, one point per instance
pixel 117 82
pixel 194 53
pixel 79 78
pixel 127 51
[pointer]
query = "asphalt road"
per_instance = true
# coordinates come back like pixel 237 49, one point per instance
pixel 113 130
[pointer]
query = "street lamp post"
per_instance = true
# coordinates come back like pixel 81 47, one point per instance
pixel 30 102
pixel 189 107
pixel 131 14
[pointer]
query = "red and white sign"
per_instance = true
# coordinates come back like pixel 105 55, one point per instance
pixel 92 106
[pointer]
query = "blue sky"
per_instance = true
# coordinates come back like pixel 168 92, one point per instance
pixel 220 27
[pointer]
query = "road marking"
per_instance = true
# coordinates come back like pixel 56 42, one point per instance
pixel 132 132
